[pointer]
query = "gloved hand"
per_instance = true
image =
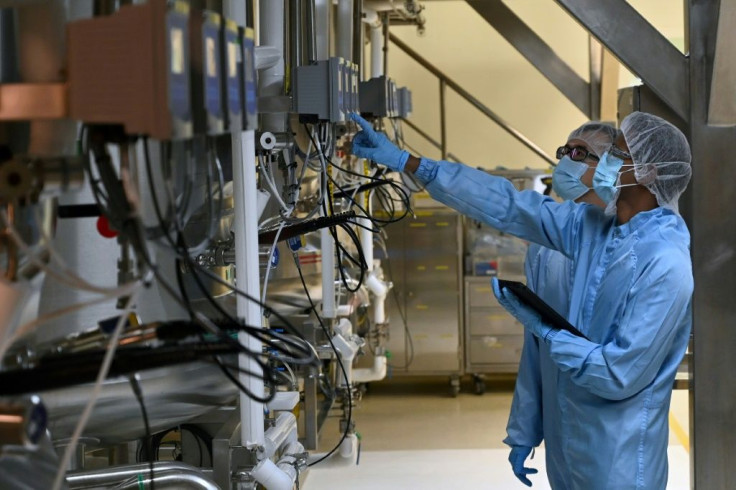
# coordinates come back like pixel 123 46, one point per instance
pixel 516 458
pixel 526 315
pixel 377 147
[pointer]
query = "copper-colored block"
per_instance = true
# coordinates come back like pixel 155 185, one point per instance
pixel 28 101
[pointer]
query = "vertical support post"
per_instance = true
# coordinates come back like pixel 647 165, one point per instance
pixel 311 36
pixel 344 29
pixel 386 25
pixel 295 29
pixel 328 274
pixel 245 226
pixel 358 44
pixel 595 64
pixel 443 120
pixel 311 406
pixel 271 80
pixel 322 10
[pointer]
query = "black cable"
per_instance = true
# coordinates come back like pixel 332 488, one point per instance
pixel 339 361
pixel 361 261
pixel 267 375
pixel 135 385
pixel 196 267
pixel 391 183
pixel 260 333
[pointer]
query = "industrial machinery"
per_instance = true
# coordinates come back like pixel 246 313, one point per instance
pixel 187 246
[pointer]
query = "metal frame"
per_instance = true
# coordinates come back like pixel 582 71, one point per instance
pixel 712 395
pixel 638 45
pixel 537 52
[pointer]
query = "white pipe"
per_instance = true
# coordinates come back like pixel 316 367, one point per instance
pixel 265 57
pixel 328 273
pixel 344 29
pixel 379 290
pixel 366 241
pixel 282 475
pixel 271 80
pixel 284 401
pixel 377 40
pixel 347 349
pixel 376 373
pixel 283 432
pixel 274 477
pixel 245 228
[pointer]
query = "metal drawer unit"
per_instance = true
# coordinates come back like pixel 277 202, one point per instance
pixel 425 267
pixel 493 338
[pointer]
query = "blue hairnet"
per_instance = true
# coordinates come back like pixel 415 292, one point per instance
pixel 661 156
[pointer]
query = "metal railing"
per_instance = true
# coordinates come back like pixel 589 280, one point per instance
pixel 445 82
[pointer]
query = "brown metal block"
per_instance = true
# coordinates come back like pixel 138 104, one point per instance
pixel 26 101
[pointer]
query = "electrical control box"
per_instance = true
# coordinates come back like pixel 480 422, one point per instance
pixel 250 99
pixel 232 81
pixel 405 106
pixel 379 97
pixel 133 68
pixel 208 100
pixel 320 91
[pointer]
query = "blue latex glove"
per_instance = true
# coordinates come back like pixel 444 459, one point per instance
pixel 516 458
pixel 526 315
pixel 377 147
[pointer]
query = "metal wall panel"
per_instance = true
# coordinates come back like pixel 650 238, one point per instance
pixel 713 394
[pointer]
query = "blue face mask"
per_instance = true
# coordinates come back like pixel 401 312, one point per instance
pixel 566 179
pixel 605 179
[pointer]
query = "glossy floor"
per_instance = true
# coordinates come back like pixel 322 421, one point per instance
pixel 416 436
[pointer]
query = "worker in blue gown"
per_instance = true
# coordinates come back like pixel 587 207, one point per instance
pixel 535 410
pixel 631 291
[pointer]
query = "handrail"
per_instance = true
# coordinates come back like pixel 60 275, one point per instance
pixel 447 81
pixel 427 137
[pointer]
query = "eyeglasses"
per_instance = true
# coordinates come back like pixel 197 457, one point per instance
pixel 576 153
pixel 618 152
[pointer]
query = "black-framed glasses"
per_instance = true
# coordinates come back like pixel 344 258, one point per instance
pixel 618 152
pixel 576 153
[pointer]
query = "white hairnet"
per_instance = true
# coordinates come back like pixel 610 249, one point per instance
pixel 661 156
pixel 597 135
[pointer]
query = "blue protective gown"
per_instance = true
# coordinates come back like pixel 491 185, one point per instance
pixel 631 296
pixel 535 409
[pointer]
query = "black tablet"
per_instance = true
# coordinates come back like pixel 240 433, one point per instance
pixel 548 314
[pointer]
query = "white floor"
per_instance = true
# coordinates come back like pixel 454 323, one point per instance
pixel 417 437
pixel 452 469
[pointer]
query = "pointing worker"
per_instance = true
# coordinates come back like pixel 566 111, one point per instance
pixel 631 296
pixel 535 410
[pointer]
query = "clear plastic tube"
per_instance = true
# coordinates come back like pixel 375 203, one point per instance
pixel 104 369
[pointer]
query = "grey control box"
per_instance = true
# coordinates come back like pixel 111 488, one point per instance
pixel 323 91
pixel 379 97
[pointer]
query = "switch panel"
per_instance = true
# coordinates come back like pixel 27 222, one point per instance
pixel 232 55
pixel 207 86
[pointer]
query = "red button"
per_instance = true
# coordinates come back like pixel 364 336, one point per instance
pixel 103 227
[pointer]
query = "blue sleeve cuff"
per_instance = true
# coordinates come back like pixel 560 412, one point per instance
pixel 427 170
pixel 551 335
